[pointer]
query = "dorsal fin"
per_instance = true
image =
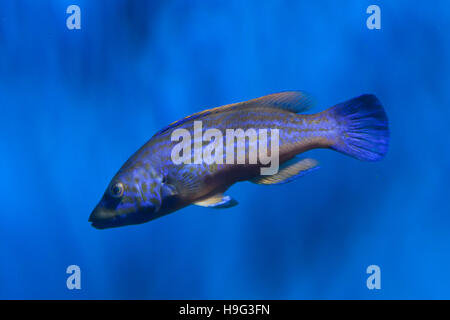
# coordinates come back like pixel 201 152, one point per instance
pixel 293 101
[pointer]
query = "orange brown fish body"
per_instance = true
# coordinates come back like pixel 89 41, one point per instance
pixel 151 184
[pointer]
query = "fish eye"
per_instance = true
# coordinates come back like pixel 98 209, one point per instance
pixel 116 190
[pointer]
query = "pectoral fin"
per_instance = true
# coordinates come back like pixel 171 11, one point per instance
pixel 288 172
pixel 187 181
pixel 168 190
pixel 217 201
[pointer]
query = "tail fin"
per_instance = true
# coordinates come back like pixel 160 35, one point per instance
pixel 363 131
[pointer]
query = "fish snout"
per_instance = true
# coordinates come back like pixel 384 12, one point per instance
pixel 100 213
pixel 102 218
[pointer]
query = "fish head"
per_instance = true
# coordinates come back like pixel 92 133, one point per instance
pixel 132 197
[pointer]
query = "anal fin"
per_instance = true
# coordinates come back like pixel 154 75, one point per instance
pixel 289 171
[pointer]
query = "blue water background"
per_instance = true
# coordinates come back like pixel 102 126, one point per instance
pixel 75 104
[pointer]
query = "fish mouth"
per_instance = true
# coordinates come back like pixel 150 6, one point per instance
pixel 102 218
pixel 105 219
pixel 107 223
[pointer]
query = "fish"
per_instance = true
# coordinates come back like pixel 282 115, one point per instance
pixel 150 184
